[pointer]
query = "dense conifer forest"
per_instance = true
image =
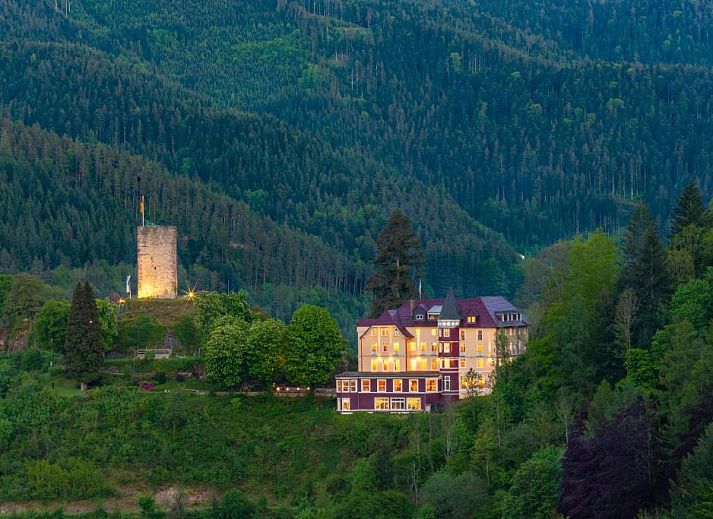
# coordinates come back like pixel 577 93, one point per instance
pixel 558 153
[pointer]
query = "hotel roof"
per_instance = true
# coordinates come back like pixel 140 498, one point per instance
pixel 487 310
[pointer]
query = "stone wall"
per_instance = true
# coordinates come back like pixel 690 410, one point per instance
pixel 157 262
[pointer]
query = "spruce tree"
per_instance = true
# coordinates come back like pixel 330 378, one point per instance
pixel 689 210
pixel 84 347
pixel 645 273
pixel 399 258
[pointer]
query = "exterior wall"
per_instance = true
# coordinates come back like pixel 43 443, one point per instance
pixel 157 262
pixel 382 349
pixel 360 400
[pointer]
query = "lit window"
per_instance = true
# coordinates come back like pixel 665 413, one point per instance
pixel 462 348
pixel 431 385
pixel 413 404
pixel 339 386
pixel 471 319
pixel 434 347
pixel 352 386
pixel 381 403
pixel 397 365
pixel 412 345
pixel 381 385
pixel 397 347
pixel 374 365
pixel 373 347
pixel 385 332
pixel 479 347
pixel 446 347
pixel 447 383
pixel 433 332
pixel 481 362
pixel 386 347
pixel 365 385
pixel 462 335
pixel 480 335
pixel 434 364
pixel 446 332
pixel 398 385
pixel 346 404
pixel 462 363
pixel 413 364
pixel 373 331
pixel 423 346
pixel 413 385
pixel 386 365
pixel 463 383
pixel 398 404
pixel 424 364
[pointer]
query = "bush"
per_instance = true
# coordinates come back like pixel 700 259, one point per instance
pixel 72 479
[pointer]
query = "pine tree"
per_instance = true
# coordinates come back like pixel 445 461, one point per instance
pixel 646 274
pixel 689 210
pixel 84 347
pixel 398 260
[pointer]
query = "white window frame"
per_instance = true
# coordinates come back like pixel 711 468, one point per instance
pixel 398 400
pixel 446 383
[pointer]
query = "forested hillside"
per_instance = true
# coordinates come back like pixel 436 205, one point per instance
pixel 491 101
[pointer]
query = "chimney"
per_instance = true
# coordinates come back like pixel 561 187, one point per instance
pixel 411 305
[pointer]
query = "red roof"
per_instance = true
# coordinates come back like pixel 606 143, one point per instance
pixel 485 308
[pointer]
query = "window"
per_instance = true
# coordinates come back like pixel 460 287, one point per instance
pixel 446 383
pixel 424 364
pixel 398 385
pixel 446 332
pixel 462 335
pixel 463 383
pixel 352 386
pixel 373 347
pixel 413 404
pixel 419 317
pixel 386 365
pixel 434 347
pixel 381 385
pixel 398 404
pixel 423 346
pixel 339 386
pixel 446 347
pixel 462 363
pixel 397 365
pixel 481 362
pixel 472 319
pixel 397 347
pixel 386 347
pixel 412 345
pixel 346 404
pixel 396 333
pixel 366 385
pixel 413 364
pixel 374 331
pixel 434 364
pixel 431 385
pixel 384 332
pixel 479 347
pixel 433 332
pixel 462 347
pixel 381 403
pixel 413 385
pixel 480 335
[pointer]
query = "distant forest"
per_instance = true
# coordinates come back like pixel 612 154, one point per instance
pixel 279 135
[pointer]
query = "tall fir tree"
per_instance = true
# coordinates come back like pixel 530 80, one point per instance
pixel 646 273
pixel 690 210
pixel 399 259
pixel 84 347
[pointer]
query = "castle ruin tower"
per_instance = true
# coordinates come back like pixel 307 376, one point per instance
pixel 157 262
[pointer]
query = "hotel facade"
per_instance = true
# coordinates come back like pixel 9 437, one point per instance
pixel 429 352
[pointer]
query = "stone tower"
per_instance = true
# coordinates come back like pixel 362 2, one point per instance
pixel 157 262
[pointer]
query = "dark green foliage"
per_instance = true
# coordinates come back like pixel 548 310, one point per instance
pixel 315 346
pixel 459 497
pixel 51 325
pixel 398 261
pixel 534 491
pixel 689 211
pixel 645 272
pixel 140 334
pixel 84 346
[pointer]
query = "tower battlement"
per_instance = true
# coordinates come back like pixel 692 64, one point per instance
pixel 157 262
